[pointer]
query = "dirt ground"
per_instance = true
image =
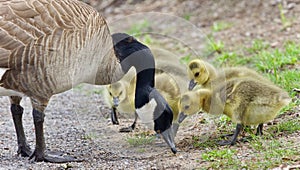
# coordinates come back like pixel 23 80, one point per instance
pixel 77 121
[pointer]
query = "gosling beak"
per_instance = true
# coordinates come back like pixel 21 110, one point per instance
pixel 192 84
pixel 116 101
pixel 182 116
pixel 168 136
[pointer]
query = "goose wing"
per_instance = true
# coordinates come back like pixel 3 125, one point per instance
pixel 27 24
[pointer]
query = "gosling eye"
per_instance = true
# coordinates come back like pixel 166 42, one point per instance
pixel 110 94
pixel 186 107
pixel 196 74
pixel 121 93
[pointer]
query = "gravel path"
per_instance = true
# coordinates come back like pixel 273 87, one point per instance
pixel 75 123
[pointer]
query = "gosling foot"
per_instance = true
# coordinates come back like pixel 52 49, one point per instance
pixel 246 139
pixel 226 142
pixel 227 135
pixel 234 137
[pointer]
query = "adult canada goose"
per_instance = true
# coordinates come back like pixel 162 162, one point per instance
pixel 204 74
pixel 120 96
pixel 47 47
pixel 150 106
pixel 247 101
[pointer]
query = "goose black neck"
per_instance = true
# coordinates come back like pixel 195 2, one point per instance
pixel 132 53
pixel 145 78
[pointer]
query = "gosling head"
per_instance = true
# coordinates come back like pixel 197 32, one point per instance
pixel 188 105
pixel 192 102
pixel 197 72
pixel 117 93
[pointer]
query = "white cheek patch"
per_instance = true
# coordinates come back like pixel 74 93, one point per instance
pixel 146 113
pixel 7 92
pixel 2 72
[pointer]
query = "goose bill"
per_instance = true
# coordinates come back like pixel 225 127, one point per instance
pixel 175 127
pixel 168 136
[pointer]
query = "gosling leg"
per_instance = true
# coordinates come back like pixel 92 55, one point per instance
pixel 17 112
pixel 130 128
pixel 259 130
pixel 114 117
pixel 239 127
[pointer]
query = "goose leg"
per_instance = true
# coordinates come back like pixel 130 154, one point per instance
pixel 259 130
pixel 130 128
pixel 234 138
pixel 39 152
pixel 114 117
pixel 17 112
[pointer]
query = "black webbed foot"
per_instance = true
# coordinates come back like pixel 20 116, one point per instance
pixel 246 139
pixel 53 157
pixel 234 137
pixel 226 142
pixel 128 129
pixel 24 150
pixel 227 135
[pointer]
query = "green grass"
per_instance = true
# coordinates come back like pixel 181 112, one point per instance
pixel 139 28
pixel 257 46
pixel 261 154
pixel 187 16
pixel 222 158
pixel 215 45
pixel 140 139
pixel 231 59
pixel 286 127
pixel 211 143
pixel 223 122
pixel 272 153
pixel 284 21
pixel 185 59
pixel 220 26
pixel 267 61
pixel 217 154
pixel 90 136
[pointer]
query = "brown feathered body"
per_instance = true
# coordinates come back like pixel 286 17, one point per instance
pixel 49 46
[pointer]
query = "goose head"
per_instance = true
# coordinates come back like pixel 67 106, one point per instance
pixel 197 73
pixel 150 106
